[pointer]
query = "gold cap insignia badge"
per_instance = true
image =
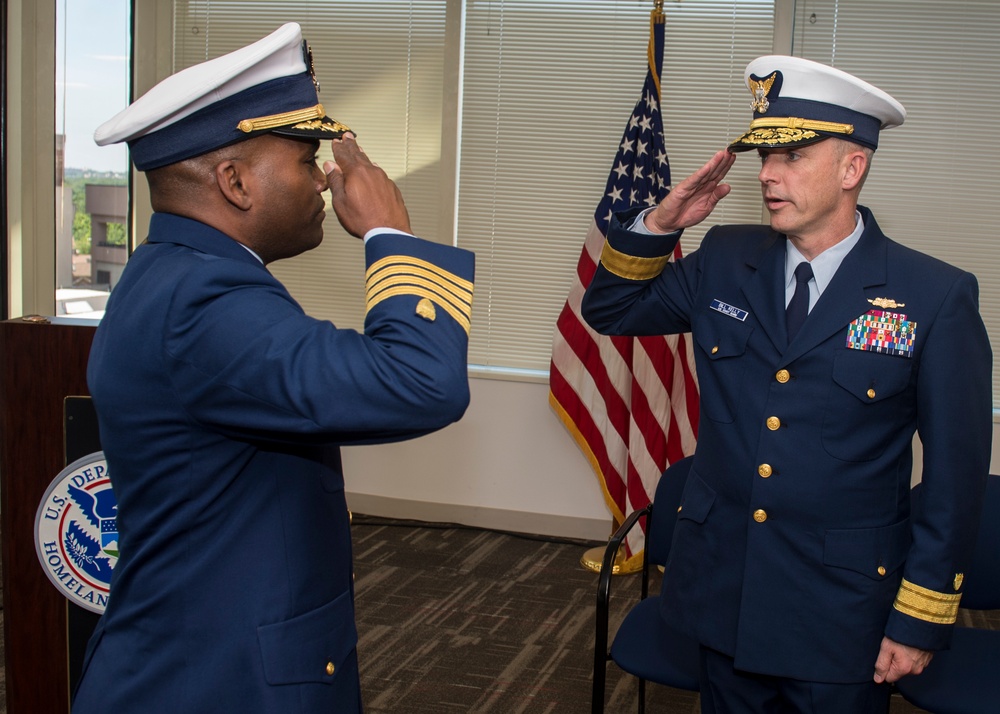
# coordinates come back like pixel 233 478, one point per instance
pixel 959 578
pixel 426 310
pixel 759 88
pixel 886 303
pixel 307 55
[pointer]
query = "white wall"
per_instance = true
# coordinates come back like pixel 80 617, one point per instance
pixel 509 464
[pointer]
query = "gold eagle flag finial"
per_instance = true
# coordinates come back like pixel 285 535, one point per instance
pixel 759 88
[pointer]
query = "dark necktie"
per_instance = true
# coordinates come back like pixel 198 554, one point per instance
pixel 798 307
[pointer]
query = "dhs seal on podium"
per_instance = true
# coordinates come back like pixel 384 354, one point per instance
pixel 76 532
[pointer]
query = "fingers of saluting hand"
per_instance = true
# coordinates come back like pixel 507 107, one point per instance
pixel 709 175
pixel 346 151
pixel 348 158
pixel 694 198
pixel 362 195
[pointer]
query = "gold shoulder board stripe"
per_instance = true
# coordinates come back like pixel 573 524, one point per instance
pixel 632 267
pixel 405 275
pixel 927 605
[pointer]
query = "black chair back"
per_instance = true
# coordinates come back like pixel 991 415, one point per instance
pixel 981 590
pixel 982 586
pixel 666 500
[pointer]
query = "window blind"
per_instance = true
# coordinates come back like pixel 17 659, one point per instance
pixel 933 183
pixel 499 120
pixel 381 67
pixel 549 87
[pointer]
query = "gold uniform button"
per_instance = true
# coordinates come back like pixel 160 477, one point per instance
pixel 871 393
pixel 764 470
pixel 760 515
pixel 330 668
pixel 773 423
pixel 881 570
pixel 782 376
pixel 715 349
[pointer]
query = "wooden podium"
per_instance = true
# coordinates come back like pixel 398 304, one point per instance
pixel 43 366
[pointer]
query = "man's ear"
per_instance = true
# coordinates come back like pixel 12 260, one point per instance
pixel 231 178
pixel 855 169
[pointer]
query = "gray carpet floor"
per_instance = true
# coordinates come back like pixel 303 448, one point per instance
pixel 456 620
pixel 459 621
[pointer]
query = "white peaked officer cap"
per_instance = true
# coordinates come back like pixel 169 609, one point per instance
pixel 266 87
pixel 798 102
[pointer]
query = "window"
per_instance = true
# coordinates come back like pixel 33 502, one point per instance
pixel 92 80
pixel 549 87
pixel 933 183
pixel 380 67
pixel 498 119
pixel 423 76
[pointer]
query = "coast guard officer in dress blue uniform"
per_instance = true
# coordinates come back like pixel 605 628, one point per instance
pixel 222 405
pixel 821 347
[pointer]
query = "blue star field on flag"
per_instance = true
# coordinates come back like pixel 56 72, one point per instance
pixel 641 172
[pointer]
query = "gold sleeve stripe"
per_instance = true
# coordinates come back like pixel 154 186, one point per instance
pixel 401 260
pixel 406 275
pixel 632 267
pixel 377 280
pixel 927 605
pixel 398 284
pixel 462 318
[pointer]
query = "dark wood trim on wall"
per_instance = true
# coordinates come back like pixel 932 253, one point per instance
pixel 4 267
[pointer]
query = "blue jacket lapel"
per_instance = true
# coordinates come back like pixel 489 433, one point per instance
pixel 844 298
pixel 765 290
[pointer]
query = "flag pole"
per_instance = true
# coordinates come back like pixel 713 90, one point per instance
pixel 593 558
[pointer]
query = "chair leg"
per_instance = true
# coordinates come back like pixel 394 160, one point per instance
pixel 597 695
pixel 642 696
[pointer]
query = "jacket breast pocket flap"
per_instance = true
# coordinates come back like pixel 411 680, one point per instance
pixel 302 649
pixel 865 550
pixel 869 376
pixel 696 501
pixel 727 339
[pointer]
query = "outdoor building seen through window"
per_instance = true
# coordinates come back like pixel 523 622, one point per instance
pixel 92 80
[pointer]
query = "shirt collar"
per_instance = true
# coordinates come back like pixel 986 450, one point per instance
pixel 251 252
pixel 825 264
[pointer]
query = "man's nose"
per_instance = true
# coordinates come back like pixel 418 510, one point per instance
pixel 766 174
pixel 322 183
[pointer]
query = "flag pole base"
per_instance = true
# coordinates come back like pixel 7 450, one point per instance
pixel 593 559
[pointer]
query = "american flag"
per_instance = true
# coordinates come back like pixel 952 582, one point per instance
pixel 630 403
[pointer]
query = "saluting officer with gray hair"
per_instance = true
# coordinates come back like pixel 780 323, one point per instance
pixel 822 346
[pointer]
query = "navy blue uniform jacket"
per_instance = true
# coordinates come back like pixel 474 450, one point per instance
pixel 795 549
pixel 221 407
